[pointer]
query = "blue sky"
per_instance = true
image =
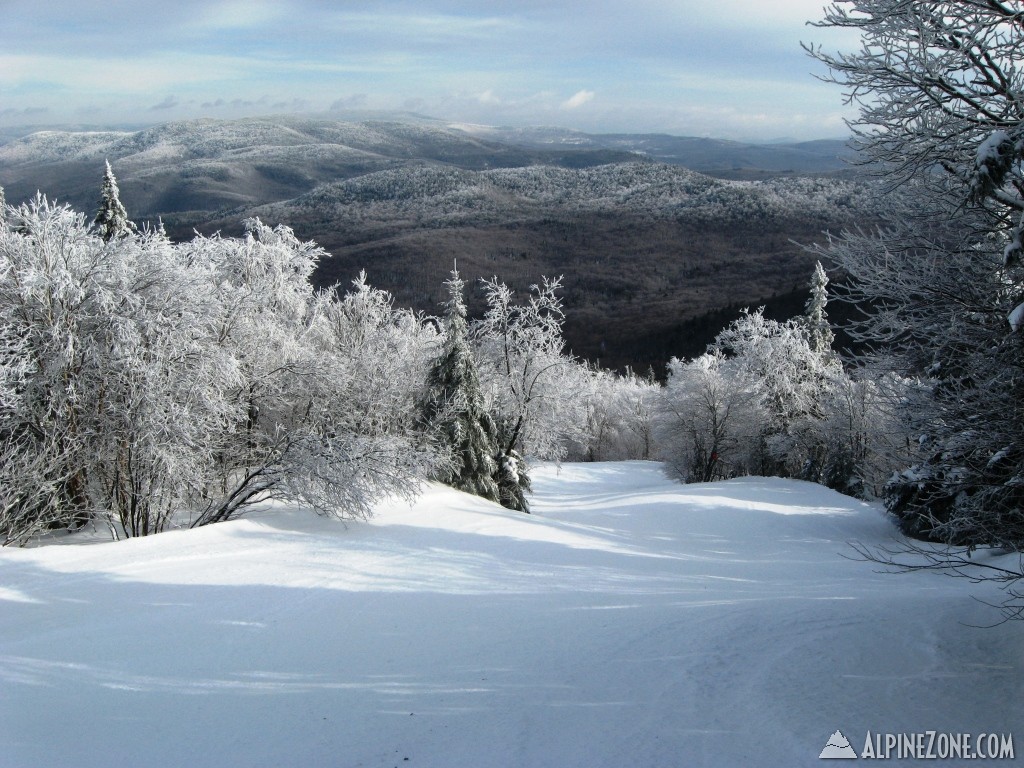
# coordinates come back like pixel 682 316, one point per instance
pixel 729 68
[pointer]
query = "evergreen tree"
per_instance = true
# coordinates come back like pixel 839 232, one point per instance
pixel 819 333
pixel 454 406
pixel 513 481
pixel 112 218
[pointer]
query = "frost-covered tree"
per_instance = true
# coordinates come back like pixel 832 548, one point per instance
pixel 819 332
pixel 112 219
pixel 118 396
pixel 709 417
pixel 386 352
pixel 310 425
pixel 793 380
pixel 536 392
pixel 941 93
pixel 939 306
pixel 145 384
pixel 453 407
pixel 864 431
pixel 938 84
pixel 621 414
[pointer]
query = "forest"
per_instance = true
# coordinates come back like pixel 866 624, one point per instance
pixel 643 243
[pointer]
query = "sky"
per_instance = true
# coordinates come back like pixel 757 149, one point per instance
pixel 728 69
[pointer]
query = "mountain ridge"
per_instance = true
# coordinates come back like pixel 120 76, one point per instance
pixel 646 245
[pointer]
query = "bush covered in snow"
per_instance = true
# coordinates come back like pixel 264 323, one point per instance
pixel 144 382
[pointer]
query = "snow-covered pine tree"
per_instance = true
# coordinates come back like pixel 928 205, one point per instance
pixel 454 407
pixel 513 481
pixel 112 219
pixel 819 333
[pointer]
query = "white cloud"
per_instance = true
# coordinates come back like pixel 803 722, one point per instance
pixel 240 14
pixel 86 74
pixel 521 63
pixel 578 99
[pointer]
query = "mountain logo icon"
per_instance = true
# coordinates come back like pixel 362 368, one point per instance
pixel 838 748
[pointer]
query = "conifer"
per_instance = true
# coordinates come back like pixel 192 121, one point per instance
pixel 112 218
pixel 454 405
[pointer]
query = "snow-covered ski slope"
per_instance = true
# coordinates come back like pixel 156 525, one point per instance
pixel 631 621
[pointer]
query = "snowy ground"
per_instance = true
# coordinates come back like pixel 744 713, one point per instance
pixel 631 621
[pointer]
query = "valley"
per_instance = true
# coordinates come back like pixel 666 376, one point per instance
pixel 647 245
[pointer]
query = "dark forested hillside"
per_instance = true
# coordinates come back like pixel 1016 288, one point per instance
pixel 644 246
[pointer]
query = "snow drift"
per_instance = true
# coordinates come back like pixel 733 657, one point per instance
pixel 631 621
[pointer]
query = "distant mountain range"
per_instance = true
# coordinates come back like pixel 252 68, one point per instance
pixel 645 240
pixel 209 165
pixel 716 157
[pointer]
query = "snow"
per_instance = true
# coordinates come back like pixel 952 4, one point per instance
pixel 1016 318
pixel 991 149
pixel 630 621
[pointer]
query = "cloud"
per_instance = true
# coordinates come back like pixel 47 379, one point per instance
pixel 169 103
pixel 523 62
pixel 239 14
pixel 578 99
pixel 26 112
pixel 355 101
pixel 292 105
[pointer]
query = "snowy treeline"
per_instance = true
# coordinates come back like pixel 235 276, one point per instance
pixel 439 196
pixel 145 383
pixel 940 88
pixel 773 398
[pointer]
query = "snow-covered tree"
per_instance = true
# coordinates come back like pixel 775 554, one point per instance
pixel 112 219
pixel 864 431
pixel 941 91
pixel 819 332
pixel 621 413
pixel 386 352
pixel 118 396
pixel 454 409
pixel 42 293
pixel 709 417
pixel 793 380
pixel 938 84
pixel 143 383
pixel 536 393
pixel 311 426
pixel 939 303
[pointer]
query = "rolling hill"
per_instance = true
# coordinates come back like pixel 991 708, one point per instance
pixel 647 245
